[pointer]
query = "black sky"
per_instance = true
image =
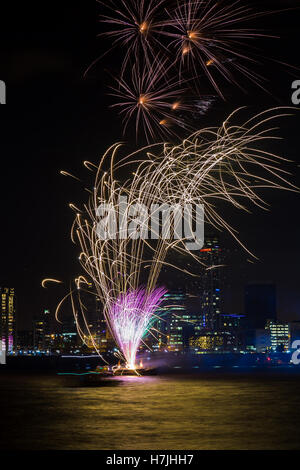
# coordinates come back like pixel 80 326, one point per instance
pixel 55 118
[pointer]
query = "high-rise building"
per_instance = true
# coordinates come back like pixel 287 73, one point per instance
pixel 202 289
pixel 260 304
pixel 231 325
pixel 42 331
pixel 174 326
pixel 169 329
pixel 280 335
pixel 103 339
pixel 25 340
pixel 97 334
pixel 210 286
pixel 176 320
pixel 192 303
pixel 8 318
pixel 67 340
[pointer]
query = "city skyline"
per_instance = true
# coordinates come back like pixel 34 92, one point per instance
pixel 197 313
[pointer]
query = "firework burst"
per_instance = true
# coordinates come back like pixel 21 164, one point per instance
pixel 168 45
pixel 209 36
pixel 134 25
pixel 152 101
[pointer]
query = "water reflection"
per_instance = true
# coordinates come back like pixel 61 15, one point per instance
pixel 154 412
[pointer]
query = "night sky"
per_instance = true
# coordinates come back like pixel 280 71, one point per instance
pixel 55 118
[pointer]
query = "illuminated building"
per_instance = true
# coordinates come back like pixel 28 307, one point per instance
pixel 25 340
pixel 194 300
pixel 210 288
pixel 192 304
pixel 198 297
pixel 42 331
pixel 170 325
pixel 231 325
pixel 8 318
pixel 280 335
pixel 208 342
pixel 38 334
pixel 177 318
pixel 69 341
pixel 104 340
pixel 175 324
pixel 100 335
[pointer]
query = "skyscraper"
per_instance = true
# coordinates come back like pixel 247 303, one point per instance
pixel 202 289
pixel 97 334
pixel 176 320
pixel 260 304
pixel 210 287
pixel 42 331
pixel 8 318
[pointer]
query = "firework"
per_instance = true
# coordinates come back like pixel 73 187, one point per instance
pixel 208 36
pixel 130 318
pixel 152 101
pixel 169 47
pixel 214 164
pixel 133 24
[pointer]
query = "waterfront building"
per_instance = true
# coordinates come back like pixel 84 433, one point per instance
pixel 171 323
pixel 196 299
pixel 210 342
pixel 279 335
pixel 42 331
pixel 25 340
pixel 210 283
pixel 8 318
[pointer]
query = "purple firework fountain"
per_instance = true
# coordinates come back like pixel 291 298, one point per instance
pixel 131 317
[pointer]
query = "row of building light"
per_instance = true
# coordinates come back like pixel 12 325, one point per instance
pixel 189 321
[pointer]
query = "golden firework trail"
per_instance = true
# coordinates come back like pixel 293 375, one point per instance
pixel 230 164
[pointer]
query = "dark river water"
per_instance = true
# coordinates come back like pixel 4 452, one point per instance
pixel 210 411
